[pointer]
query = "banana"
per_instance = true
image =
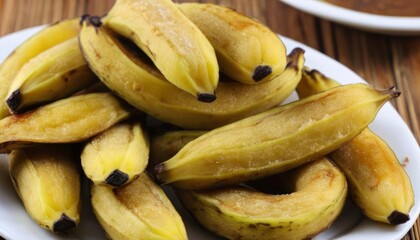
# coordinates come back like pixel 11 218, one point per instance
pixel 41 41
pixel 55 73
pixel 117 155
pixel 274 141
pixel 247 51
pixel 378 184
pixel 317 196
pixel 138 210
pixel 166 145
pixel 71 119
pixel 145 88
pixel 47 181
pixel 175 45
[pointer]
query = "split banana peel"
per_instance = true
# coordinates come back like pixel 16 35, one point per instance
pixel 56 73
pixel 47 38
pixel 72 119
pixel 247 51
pixel 138 210
pixel 47 180
pixel 144 87
pixel 378 184
pixel 117 155
pixel 276 140
pixel 175 45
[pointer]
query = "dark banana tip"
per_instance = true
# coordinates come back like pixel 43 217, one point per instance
pixel 92 20
pixel 116 178
pixel 206 97
pixel 261 72
pixel 397 217
pixel 64 224
pixel 84 18
pixel 392 91
pixel 158 170
pixel 14 100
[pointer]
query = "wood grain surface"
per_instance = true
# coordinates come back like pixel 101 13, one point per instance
pixel 382 60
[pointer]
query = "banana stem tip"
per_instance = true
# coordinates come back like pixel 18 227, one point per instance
pixel 392 91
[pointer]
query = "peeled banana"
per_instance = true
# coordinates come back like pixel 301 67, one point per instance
pixel 175 45
pixel 247 51
pixel 276 140
pixel 72 119
pixel 317 194
pixel 144 87
pixel 47 181
pixel 138 210
pixel 378 183
pixel 55 73
pixel 117 155
pixel 41 41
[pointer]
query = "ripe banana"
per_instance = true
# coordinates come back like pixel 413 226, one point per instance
pixel 247 51
pixel 144 87
pixel 71 119
pixel 47 181
pixel 41 41
pixel 117 155
pixel 317 196
pixel 55 73
pixel 276 140
pixel 175 45
pixel 138 210
pixel 378 183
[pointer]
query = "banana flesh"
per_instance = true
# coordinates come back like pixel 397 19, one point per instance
pixel 276 140
pixel 55 73
pixel 138 210
pixel 47 180
pixel 247 51
pixel 72 119
pixel 317 196
pixel 145 88
pixel 175 45
pixel 378 184
pixel 41 41
pixel 117 155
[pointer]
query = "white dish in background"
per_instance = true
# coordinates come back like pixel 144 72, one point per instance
pixel 365 21
pixel 15 224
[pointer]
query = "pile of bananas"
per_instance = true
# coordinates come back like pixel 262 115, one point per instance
pixel 81 92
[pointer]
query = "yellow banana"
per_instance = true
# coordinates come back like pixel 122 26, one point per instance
pixel 318 191
pixel 175 45
pixel 55 73
pixel 47 181
pixel 378 183
pixel 117 155
pixel 145 88
pixel 138 210
pixel 71 119
pixel 276 140
pixel 41 41
pixel 247 51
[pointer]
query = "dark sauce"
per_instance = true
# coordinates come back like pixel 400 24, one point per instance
pixel 406 8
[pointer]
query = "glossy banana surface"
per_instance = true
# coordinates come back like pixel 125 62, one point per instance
pixel 317 194
pixel 41 41
pixel 47 181
pixel 138 210
pixel 117 155
pixel 276 140
pixel 144 87
pixel 378 184
pixel 247 51
pixel 72 119
pixel 175 45
pixel 55 73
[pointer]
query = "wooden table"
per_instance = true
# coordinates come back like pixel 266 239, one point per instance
pixel 381 60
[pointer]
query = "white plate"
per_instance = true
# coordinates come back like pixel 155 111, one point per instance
pixel 15 224
pixel 360 20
